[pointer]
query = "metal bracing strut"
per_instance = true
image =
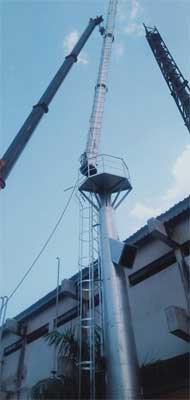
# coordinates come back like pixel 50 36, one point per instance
pixel 17 146
pixel 88 158
pixel 176 82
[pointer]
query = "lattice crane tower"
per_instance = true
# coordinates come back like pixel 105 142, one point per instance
pixel 178 85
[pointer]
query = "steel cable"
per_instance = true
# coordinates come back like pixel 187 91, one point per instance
pixel 45 244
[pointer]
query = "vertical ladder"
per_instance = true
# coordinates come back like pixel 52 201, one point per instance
pixel 90 304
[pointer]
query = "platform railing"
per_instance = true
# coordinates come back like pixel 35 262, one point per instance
pixel 106 163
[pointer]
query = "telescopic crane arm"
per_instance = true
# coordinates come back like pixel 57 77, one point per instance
pixel 176 82
pixel 17 146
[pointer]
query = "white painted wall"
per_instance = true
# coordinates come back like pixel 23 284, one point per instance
pixel 148 300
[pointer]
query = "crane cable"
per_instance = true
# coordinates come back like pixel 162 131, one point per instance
pixel 45 244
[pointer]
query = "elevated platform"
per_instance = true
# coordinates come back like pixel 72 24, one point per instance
pixel 105 183
pixel 112 176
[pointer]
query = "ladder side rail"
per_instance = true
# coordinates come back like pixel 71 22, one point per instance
pixel 91 305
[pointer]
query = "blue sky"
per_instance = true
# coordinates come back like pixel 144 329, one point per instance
pixel 141 124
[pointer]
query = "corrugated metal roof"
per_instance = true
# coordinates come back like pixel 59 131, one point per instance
pixel 167 216
pixel 171 214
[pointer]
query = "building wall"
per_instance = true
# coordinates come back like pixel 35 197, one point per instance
pixel 38 358
pixel 148 300
pixel 150 297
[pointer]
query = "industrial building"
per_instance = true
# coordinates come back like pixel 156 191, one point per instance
pixel 159 310
pixel 136 292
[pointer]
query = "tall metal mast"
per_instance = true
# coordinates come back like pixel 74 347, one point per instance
pixel 176 82
pixel 90 282
pixel 88 159
pixel 104 188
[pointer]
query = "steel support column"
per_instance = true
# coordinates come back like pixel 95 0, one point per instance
pixel 120 350
pixel 121 365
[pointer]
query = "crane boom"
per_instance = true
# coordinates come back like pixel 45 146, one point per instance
pixel 88 158
pixel 17 146
pixel 176 82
